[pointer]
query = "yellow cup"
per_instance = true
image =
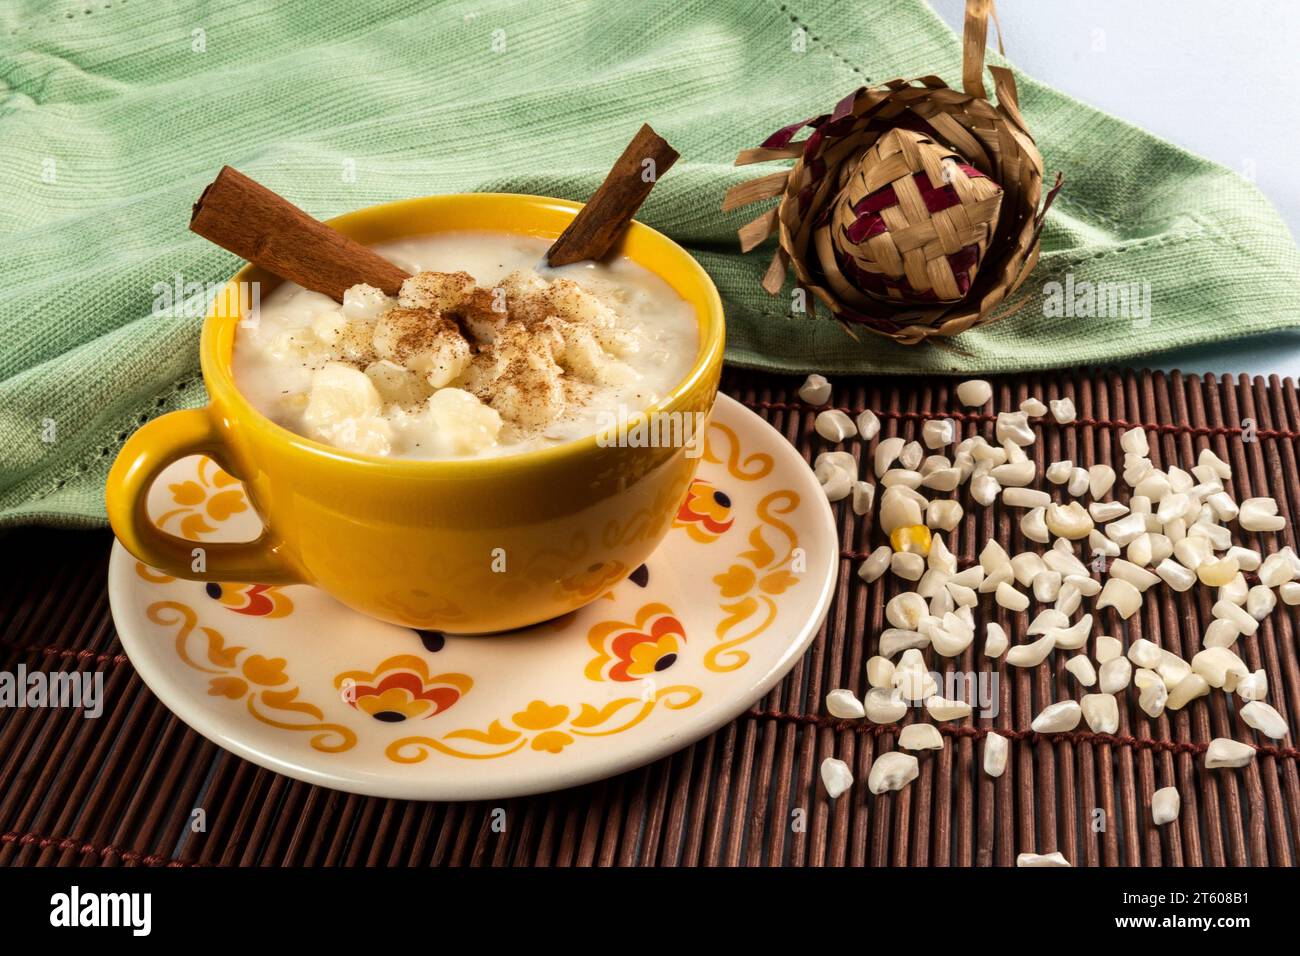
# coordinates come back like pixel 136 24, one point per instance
pixel 469 546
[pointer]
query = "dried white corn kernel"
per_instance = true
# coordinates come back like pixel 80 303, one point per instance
pixel 939 557
pixel 1063 410
pixel 920 737
pixel 1127 528
pixel 1217 465
pixel 1254 687
pixel 1031 654
pixel 1058 472
pixel 1047 587
pixel 1026 498
pixel 892 771
pixel 942 479
pixel 995 640
pixel 1078 483
pixel 898 510
pixel 911 455
pixel 1033 525
pixel 1101 712
pixel 1289 593
pixel 1139 577
pixel 894 641
pixel 1260 514
pixel 1172 668
pixel 1176 575
pixel 876 563
pixel 1122 596
pixel 1011 599
pixel 842 460
pixel 944 514
pixel 1224 752
pixel 942 709
pixel 815 390
pixel 887 452
pixel 912 679
pixel 834 425
pixel 1264 718
pixel 1275 570
pixel 1014 474
pixel 1098 543
pixel 1144 677
pixel 1186 690
pixel 1144 653
pixel 996 752
pixel 1228 611
pixel 937 433
pixel 1248 559
pixel 905 610
pixel 1165 804
pixel 1067 602
pixel 1193 552
pixel 972 577
pixel 1108 648
pixel 1220 633
pixel 1235 591
pixel 1101 478
pixel 1115 675
pixel 843 704
pixel 880 671
pixel 1225 509
pixel 901 476
pixel 1069 521
pixel 1075 636
pixel 1057 718
pixel 1104 511
pixel 1041 859
pixel 1082 669
pixel 884 705
pixel 837 485
pixel 974 393
pixel 984 489
pixel 864 496
pixel 1033 407
pixel 868 424
pixel 1014 427
pixel 1154 486
pixel 1260 602
pixel 836 777
pixel 1134 441
pixel 1220 667
pixel 1153 698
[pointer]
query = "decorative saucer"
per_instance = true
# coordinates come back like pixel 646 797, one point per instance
pixel 294 681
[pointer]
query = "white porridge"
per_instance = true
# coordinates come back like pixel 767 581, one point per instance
pixel 486 351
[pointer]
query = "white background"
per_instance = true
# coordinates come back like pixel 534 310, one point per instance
pixel 1218 77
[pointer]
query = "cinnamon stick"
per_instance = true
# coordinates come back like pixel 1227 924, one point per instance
pixel 596 229
pixel 263 227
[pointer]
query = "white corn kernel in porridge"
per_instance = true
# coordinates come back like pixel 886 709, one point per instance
pixel 485 351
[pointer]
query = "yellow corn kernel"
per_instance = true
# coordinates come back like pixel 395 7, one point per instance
pixel 911 539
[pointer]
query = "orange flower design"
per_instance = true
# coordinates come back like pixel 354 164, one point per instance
pixel 629 651
pixel 256 600
pixel 216 495
pixel 706 512
pixel 400 688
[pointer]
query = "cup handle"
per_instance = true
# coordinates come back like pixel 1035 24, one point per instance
pixel 146 453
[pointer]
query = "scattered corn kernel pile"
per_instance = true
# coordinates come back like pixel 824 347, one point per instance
pixel 1175 531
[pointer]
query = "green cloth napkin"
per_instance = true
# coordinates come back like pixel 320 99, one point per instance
pixel 115 113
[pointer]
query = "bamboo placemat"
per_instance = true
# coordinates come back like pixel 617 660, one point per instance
pixel 120 790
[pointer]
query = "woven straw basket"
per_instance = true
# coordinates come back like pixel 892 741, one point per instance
pixel 912 209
